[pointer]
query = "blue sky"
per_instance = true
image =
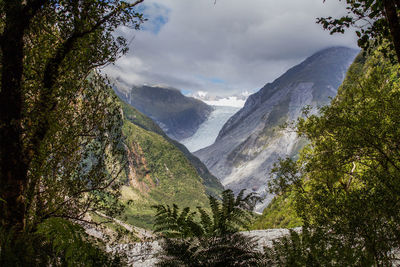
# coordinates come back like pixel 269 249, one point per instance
pixel 156 15
pixel 226 48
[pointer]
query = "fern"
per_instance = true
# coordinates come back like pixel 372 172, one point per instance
pixel 212 239
pixel 230 250
pixel 227 216
pixel 171 223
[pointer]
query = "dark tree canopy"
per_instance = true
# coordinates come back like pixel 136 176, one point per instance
pixel 61 145
pixel 375 22
pixel 58 120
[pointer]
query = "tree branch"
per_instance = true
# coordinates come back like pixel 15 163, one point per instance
pixel 394 24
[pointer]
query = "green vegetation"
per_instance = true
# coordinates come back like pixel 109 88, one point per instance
pixel 56 242
pixel 62 153
pixel 60 127
pixel 383 24
pixel 166 176
pixel 180 119
pixel 280 213
pixel 345 184
pixel 139 119
pixel 211 183
pixel 210 239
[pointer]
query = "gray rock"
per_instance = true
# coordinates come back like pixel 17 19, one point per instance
pixel 177 115
pixel 252 140
pixel 145 254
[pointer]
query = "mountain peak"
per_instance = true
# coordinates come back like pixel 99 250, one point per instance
pixel 251 141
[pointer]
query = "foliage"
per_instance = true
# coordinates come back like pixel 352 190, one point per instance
pixel 61 150
pixel 376 22
pixel 280 213
pixel 162 175
pixel 347 190
pixel 136 117
pixel 212 239
pixel 57 242
pixel 211 183
pixel 174 224
pixel 313 247
pixel 228 216
pixel 229 250
pixel 60 127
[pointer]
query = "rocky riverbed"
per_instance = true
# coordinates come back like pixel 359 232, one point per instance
pixel 144 254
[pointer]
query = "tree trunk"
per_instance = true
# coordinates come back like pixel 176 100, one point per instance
pixel 13 165
pixel 394 24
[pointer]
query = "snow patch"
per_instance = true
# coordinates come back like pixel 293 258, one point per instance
pixel 231 101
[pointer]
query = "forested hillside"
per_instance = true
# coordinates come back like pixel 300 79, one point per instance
pixel 159 171
pixel 211 183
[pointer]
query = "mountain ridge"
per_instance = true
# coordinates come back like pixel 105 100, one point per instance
pixel 159 170
pixel 252 140
pixel 211 183
pixel 177 115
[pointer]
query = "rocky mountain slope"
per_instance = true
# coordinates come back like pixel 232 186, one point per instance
pixel 211 183
pixel 160 170
pixel 178 116
pixel 252 140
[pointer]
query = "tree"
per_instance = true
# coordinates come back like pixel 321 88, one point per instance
pixel 347 180
pixel 213 240
pixel 376 21
pixel 48 50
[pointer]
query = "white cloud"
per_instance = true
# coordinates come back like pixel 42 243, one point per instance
pixel 226 48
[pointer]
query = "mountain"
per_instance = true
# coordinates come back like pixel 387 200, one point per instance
pixel 252 140
pixel 211 183
pixel 178 116
pixel 160 170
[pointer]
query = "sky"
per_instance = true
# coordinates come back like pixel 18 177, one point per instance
pixel 227 47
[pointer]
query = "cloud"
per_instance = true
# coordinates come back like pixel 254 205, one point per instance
pixel 226 48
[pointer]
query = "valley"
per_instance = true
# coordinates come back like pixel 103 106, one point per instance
pixel 199 133
pixel 252 140
pixel 208 130
pixel 237 146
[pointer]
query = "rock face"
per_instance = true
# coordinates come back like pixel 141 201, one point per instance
pixel 179 116
pixel 252 140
